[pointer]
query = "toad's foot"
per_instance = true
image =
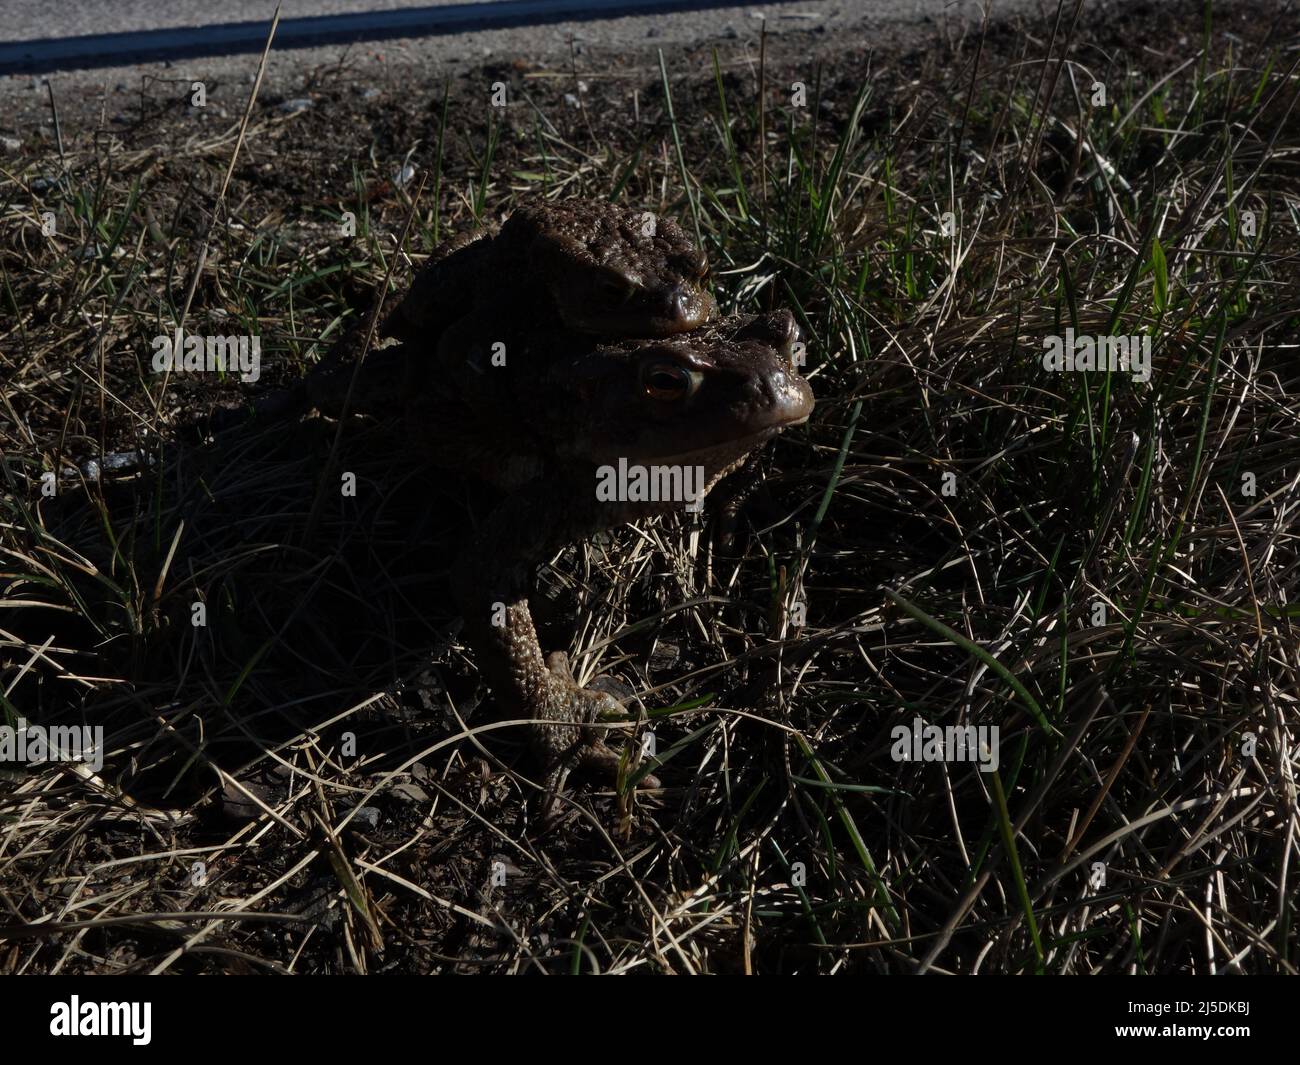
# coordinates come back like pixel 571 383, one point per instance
pixel 561 731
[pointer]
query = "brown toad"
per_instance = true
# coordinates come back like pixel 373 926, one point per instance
pixel 563 429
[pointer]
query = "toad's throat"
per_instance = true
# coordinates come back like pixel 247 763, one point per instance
pixel 713 455
pixel 707 455
pixel 683 478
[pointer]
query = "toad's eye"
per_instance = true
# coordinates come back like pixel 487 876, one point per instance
pixel 695 263
pixel 668 382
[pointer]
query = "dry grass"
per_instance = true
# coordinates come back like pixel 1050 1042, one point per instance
pixel 309 783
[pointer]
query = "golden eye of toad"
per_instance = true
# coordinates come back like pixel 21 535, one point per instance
pixel 665 381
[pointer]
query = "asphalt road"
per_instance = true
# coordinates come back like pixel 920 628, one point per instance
pixel 42 37
pixel 32 19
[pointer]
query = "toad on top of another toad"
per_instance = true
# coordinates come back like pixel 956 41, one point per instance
pixel 613 359
pixel 592 267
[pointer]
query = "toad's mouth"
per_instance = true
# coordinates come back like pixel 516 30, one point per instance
pixel 720 451
pixel 699 456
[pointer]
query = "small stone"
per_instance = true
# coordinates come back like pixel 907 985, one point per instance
pixel 10 144
pixel 125 460
pixel 365 819
pixel 298 103
pixel 411 793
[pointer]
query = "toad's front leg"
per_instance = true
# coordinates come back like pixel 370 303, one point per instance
pixel 490 581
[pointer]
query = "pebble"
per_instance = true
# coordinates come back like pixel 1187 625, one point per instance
pixel 366 819
pixel 298 103
pixel 408 792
